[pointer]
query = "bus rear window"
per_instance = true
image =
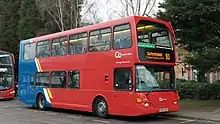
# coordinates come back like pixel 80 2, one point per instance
pixel 122 37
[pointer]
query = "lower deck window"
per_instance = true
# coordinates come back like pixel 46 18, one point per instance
pixel 42 79
pixel 73 79
pixel 58 80
pixel 122 80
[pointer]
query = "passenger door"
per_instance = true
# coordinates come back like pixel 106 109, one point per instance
pixel 123 97
pixel 31 89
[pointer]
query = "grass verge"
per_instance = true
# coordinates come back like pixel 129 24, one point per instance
pixel 201 105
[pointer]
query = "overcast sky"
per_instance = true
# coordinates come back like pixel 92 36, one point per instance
pixel 105 10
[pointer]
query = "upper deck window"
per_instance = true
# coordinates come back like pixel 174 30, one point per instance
pixel 78 43
pixel 154 42
pixel 29 51
pixel 43 49
pixel 100 40
pixel 122 37
pixel 153 34
pixel 59 46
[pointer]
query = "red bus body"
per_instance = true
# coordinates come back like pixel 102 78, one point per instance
pixel 9 91
pixel 97 76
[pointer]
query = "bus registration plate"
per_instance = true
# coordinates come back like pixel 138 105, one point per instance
pixel 164 110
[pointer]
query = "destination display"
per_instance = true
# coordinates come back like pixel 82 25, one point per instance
pixel 156 54
pixel 5 59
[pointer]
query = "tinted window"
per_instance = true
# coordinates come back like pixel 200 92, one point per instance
pixel 122 37
pixel 161 38
pixel 100 40
pixel 42 79
pixel 43 49
pixel 5 58
pixel 29 51
pixel 123 78
pixel 32 81
pixel 151 35
pixel 154 78
pixel 78 43
pixel 59 46
pixel 58 80
pixel 73 79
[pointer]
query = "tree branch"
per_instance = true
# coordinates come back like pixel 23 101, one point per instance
pixel 145 9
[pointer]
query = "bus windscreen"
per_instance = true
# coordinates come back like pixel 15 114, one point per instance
pixel 5 59
pixel 6 73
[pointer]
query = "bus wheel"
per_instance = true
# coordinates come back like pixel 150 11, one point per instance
pixel 101 108
pixel 41 102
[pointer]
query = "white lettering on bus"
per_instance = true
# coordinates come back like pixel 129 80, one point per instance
pixel 123 62
pixel 3 69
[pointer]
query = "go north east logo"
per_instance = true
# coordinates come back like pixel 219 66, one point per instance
pixel 119 55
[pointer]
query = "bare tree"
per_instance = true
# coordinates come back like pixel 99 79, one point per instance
pixel 133 7
pixel 65 13
pixel 90 12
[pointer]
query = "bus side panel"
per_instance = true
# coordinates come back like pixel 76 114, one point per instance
pixel 28 68
pixel 92 84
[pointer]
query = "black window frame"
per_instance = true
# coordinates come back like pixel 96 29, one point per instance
pixel 131 71
pixel 113 34
pixel 99 30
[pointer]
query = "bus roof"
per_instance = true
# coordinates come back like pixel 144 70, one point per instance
pixel 4 52
pixel 94 27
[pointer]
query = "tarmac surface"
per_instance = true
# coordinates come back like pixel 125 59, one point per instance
pixel 15 112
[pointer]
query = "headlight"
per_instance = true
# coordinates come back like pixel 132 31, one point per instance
pixel 146 104
pixel 12 92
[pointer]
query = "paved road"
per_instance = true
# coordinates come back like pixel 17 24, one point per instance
pixel 14 112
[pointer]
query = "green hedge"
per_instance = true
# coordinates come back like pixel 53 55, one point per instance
pixel 192 90
pixel 199 91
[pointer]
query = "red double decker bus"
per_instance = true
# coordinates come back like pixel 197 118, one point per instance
pixel 7 76
pixel 120 67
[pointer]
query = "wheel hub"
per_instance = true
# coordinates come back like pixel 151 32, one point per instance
pixel 41 102
pixel 102 107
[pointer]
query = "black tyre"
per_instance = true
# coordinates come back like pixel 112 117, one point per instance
pixel 41 102
pixel 101 108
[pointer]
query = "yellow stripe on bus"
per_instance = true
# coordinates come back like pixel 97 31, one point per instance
pixel 49 93
pixel 38 63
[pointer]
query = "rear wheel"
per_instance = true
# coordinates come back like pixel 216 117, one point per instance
pixel 41 102
pixel 101 108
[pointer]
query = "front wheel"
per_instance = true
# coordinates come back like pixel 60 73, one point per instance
pixel 41 102
pixel 101 108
